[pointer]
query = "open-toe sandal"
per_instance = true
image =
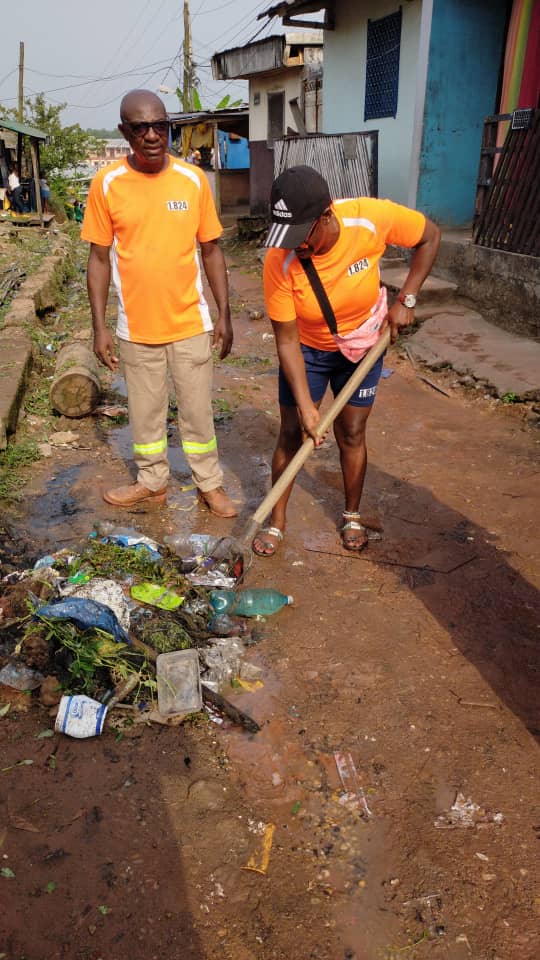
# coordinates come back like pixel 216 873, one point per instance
pixel 358 538
pixel 268 546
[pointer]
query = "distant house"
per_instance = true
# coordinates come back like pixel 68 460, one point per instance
pixel 424 74
pixel 285 75
pixel 111 150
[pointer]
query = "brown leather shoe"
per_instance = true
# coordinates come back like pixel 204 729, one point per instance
pixel 132 493
pixel 217 502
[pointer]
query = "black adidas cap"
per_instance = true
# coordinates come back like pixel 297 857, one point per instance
pixel 297 199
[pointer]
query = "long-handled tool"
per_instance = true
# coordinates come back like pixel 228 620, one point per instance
pixel 308 445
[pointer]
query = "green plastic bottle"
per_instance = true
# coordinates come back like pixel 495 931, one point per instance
pixel 249 603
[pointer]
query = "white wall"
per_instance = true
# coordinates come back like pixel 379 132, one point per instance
pixel 289 82
pixel 344 87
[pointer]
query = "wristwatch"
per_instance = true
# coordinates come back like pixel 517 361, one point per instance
pixel 407 299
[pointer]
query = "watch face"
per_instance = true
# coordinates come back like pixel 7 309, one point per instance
pixel 409 300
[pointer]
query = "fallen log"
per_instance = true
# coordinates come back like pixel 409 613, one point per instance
pixel 76 388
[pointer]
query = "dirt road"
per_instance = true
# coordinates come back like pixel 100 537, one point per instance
pixel 418 660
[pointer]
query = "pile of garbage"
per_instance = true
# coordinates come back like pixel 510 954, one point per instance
pixel 159 630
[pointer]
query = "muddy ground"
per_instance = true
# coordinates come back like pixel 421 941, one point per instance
pixel 419 658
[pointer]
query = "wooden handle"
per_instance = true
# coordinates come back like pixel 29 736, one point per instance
pixel 308 445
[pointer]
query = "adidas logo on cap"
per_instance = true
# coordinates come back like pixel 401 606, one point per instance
pixel 281 210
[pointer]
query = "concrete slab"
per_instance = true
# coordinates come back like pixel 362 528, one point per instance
pixel 470 345
pixel 15 365
pixel 434 288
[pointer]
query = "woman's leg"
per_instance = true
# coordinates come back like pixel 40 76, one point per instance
pixel 289 441
pixel 350 434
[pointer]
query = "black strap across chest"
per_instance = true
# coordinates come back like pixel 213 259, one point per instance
pixel 316 285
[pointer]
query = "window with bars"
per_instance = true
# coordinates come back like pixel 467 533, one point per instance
pixel 382 66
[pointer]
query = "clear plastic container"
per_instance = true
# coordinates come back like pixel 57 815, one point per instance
pixel 178 682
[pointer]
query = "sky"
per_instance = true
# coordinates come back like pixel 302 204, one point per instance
pixel 88 53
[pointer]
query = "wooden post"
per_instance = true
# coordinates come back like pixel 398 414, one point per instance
pixel 217 169
pixel 35 171
pixel 187 84
pixel 21 82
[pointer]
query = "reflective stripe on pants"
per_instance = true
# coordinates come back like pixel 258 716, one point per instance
pixel 190 365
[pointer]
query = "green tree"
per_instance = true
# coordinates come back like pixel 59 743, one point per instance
pixel 66 148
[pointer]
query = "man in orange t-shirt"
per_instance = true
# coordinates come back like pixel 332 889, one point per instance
pixel 143 219
pixel 339 244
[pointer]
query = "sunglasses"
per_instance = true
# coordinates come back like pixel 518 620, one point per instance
pixel 161 127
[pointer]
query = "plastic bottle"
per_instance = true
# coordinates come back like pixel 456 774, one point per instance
pixel 249 603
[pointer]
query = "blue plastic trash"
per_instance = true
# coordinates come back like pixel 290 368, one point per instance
pixel 85 613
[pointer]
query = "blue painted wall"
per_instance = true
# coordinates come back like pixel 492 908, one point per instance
pixel 465 52
pixel 233 154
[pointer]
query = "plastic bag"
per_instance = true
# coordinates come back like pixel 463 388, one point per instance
pixel 85 614
pixel 107 592
pixel 20 677
pixel 157 595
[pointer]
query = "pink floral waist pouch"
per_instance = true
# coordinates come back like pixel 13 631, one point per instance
pixel 355 345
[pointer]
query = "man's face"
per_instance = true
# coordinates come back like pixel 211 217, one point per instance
pixel 146 128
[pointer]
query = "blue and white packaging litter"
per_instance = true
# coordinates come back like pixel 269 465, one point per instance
pixel 80 717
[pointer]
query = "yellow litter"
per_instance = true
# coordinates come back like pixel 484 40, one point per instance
pixel 249 685
pixel 258 862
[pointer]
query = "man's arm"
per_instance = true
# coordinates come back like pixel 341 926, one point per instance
pixel 98 278
pixel 216 272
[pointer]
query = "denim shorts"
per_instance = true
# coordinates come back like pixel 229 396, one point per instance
pixel 325 367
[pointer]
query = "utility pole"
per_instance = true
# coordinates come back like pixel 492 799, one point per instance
pixel 188 56
pixel 21 78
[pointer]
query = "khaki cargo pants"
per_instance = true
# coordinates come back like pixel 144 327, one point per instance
pixel 145 368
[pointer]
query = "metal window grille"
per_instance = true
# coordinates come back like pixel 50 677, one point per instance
pixel 382 66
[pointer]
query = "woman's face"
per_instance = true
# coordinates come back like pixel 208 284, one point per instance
pixel 321 238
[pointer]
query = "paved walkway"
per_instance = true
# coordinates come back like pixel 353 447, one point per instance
pixel 453 335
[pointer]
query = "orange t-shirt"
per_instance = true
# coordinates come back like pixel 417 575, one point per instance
pixel 349 272
pixel 152 222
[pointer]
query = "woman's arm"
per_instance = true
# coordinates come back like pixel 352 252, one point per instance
pixel 292 364
pixel 422 260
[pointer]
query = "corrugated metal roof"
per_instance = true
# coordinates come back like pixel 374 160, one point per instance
pixel 232 119
pixel 23 128
pixel 287 9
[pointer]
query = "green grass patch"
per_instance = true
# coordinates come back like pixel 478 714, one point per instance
pixel 13 462
pixel 246 360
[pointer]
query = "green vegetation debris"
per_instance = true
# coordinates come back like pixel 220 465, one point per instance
pixel 51 887
pixel 7 873
pixel 93 659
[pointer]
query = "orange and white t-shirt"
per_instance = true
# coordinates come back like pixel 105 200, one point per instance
pixel 349 272
pixel 152 222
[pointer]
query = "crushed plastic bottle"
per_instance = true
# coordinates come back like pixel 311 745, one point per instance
pixel 249 603
pixel 222 625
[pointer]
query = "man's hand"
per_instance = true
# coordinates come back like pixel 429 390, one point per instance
pixel 223 333
pixel 397 317
pixel 104 349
